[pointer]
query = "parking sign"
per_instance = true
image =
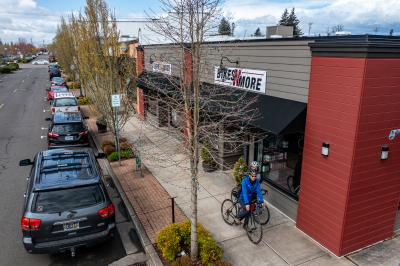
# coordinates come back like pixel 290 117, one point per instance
pixel 115 100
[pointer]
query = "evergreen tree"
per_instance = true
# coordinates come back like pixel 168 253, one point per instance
pixel 284 18
pixel 224 27
pixel 258 32
pixel 294 21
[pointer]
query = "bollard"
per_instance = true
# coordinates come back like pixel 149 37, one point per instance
pixel 173 209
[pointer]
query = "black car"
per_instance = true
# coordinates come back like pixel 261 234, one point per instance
pixel 54 72
pixel 66 203
pixel 67 130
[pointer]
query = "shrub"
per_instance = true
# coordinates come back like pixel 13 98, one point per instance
pixel 108 149
pixel 239 170
pixel 75 86
pixel 123 140
pixel 182 261
pixel 107 142
pixel 101 120
pixel 127 154
pixel 205 153
pixel 176 237
pixel 169 241
pixel 13 66
pixel 5 70
pixel 124 146
pixel 83 100
pixel 113 157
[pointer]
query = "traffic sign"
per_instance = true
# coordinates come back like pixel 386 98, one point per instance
pixel 115 100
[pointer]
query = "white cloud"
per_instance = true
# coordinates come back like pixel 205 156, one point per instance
pixel 360 16
pixel 27 4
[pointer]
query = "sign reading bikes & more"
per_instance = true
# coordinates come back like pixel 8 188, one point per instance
pixel 242 78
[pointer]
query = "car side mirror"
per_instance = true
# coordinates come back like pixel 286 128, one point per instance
pixel 47 119
pixel 25 162
pixel 101 155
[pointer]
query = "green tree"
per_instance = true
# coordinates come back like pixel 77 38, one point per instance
pixel 224 27
pixel 291 20
pixel 294 21
pixel 257 33
pixel 284 18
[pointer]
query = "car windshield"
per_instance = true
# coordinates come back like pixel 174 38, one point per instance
pixel 67 128
pixel 65 102
pixel 60 89
pixel 67 199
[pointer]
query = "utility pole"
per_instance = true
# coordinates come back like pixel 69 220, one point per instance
pixel 309 28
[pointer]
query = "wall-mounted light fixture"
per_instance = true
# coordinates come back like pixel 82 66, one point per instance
pixel 325 149
pixel 384 152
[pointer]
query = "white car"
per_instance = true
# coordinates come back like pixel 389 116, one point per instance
pixel 64 102
pixel 40 62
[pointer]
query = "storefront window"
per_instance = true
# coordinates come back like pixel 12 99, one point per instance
pixel 280 159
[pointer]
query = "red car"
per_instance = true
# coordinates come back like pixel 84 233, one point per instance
pixel 54 89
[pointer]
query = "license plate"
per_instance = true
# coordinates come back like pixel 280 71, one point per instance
pixel 71 226
pixel 69 137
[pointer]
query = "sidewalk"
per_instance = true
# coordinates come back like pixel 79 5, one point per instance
pixel 167 175
pixel 282 244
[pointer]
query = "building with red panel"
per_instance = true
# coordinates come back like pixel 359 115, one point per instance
pixel 328 125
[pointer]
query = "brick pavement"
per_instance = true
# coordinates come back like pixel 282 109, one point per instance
pixel 148 198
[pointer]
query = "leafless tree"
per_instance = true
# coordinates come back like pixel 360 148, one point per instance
pixel 219 115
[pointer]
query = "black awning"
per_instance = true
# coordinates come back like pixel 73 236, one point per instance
pixel 279 115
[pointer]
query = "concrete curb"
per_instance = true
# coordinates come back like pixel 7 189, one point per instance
pixel 153 258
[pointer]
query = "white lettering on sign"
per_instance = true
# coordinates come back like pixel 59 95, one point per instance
pixel 242 78
pixel 115 100
pixel 162 68
pixel 393 133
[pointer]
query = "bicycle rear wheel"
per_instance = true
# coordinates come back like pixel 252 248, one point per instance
pixel 254 230
pixel 263 215
pixel 228 211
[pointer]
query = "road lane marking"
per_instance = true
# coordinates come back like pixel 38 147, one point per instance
pixel 15 90
pixel 23 81
pixel 1 105
pixel 44 128
pixel 43 137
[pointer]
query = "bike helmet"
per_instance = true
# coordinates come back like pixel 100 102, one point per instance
pixel 254 166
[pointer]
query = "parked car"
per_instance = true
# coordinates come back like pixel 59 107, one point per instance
pixel 54 72
pixel 66 203
pixel 55 89
pixel 64 102
pixel 67 130
pixel 58 81
pixel 40 62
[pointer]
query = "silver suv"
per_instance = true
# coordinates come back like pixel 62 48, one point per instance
pixel 66 203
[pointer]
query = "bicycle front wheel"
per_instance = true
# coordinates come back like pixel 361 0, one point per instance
pixel 254 230
pixel 228 211
pixel 263 215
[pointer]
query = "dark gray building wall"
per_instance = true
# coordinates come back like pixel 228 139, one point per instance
pixel 287 63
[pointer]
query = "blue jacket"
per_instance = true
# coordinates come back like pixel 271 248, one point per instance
pixel 248 189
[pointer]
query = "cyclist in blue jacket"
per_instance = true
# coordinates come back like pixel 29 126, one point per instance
pixel 251 191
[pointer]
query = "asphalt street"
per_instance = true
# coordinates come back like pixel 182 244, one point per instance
pixel 23 132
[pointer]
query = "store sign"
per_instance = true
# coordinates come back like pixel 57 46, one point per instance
pixel 162 68
pixel 242 78
pixel 393 133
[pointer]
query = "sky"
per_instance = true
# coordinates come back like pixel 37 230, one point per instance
pixel 37 20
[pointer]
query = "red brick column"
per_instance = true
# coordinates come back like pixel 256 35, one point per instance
pixel 139 92
pixel 349 199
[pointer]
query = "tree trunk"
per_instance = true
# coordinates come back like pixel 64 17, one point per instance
pixel 193 220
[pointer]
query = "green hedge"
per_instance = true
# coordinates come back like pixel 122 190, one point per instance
pixel 176 237
pixel 13 66
pixel 5 70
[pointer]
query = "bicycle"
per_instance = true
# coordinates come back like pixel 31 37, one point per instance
pixel 264 214
pixel 292 188
pixel 229 210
